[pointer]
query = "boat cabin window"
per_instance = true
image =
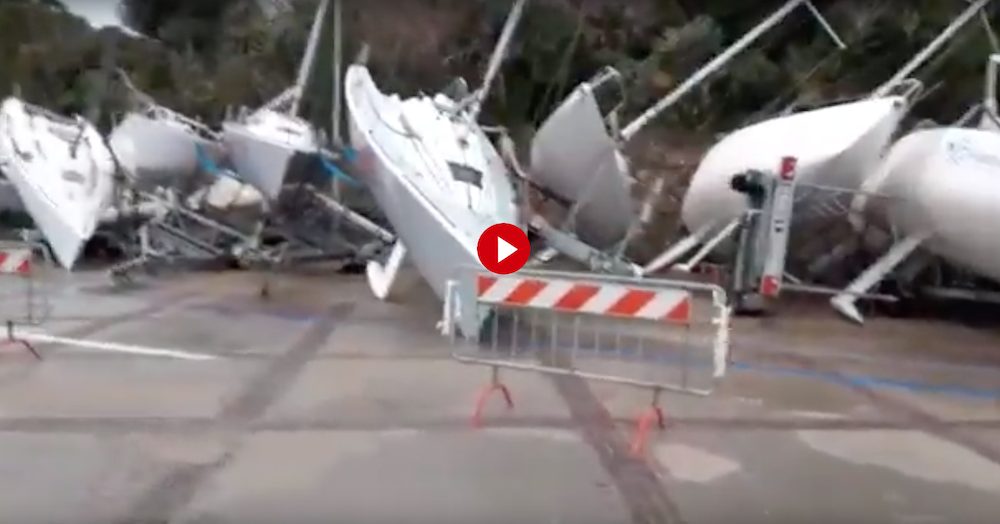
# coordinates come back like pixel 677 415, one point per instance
pixel 289 130
pixel 466 174
pixel 73 176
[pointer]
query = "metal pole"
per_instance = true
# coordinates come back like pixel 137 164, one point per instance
pixel 338 50
pixel 990 96
pixel 706 70
pixel 931 48
pixel 826 26
pixel 498 56
pixel 305 67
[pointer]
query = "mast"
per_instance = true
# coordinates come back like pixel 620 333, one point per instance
pixel 305 67
pixel 931 48
pixel 338 51
pixel 720 60
pixel 499 52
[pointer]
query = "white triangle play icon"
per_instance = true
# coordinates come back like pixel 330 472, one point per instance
pixel 504 249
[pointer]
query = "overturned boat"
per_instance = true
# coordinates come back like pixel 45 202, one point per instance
pixel 575 156
pixel 835 147
pixel 158 147
pixel 263 143
pixel 941 189
pixel 433 171
pixel 62 170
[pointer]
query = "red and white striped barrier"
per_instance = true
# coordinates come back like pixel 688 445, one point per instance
pixel 606 299
pixel 15 261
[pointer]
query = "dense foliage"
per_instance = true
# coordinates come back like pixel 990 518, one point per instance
pixel 201 57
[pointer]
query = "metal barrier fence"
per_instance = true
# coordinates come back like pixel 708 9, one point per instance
pixel 23 296
pixel 653 334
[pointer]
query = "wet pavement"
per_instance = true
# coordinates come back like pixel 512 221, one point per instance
pixel 322 404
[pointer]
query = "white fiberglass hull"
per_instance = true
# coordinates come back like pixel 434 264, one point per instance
pixel 159 152
pixel 261 152
pixel 63 173
pixel 835 146
pixel 573 156
pixel 945 182
pixel 439 229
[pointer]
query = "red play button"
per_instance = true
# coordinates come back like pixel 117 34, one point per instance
pixel 503 248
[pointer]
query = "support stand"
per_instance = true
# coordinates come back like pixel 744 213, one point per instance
pixel 11 337
pixel 484 395
pixel 652 414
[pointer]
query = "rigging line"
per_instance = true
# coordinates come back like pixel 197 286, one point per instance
pixel 563 71
pixel 862 32
pixel 938 61
pixel 988 29
pixel 423 153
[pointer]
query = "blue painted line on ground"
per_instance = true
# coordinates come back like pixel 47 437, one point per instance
pixel 915 362
pixel 873 382
pixel 836 378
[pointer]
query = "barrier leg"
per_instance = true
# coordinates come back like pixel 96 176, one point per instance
pixel 27 345
pixel 652 414
pixel 484 395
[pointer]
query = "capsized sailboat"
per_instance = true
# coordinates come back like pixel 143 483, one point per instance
pixel 577 152
pixel 157 146
pixel 941 189
pixel 63 172
pixel 836 147
pixel 432 170
pixel 575 156
pixel 262 143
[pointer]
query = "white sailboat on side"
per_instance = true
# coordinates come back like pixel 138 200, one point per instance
pixel 62 170
pixel 433 171
pixel 157 146
pixel 263 142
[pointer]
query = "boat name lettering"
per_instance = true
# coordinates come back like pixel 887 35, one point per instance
pixel 960 151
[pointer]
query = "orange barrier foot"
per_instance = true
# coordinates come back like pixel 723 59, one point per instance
pixel 651 415
pixel 484 395
pixel 12 339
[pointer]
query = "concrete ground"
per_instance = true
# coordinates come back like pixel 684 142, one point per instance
pixel 325 405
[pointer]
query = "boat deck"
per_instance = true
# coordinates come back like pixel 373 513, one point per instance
pixel 455 171
pixel 326 404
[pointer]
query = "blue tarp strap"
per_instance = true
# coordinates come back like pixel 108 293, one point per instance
pixel 206 161
pixel 335 170
pixel 211 167
pixel 349 154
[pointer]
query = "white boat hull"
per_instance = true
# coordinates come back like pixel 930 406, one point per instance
pixel 157 152
pixel 573 156
pixel 835 146
pixel 258 161
pixel 946 183
pixel 261 147
pixel 440 235
pixel 63 173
